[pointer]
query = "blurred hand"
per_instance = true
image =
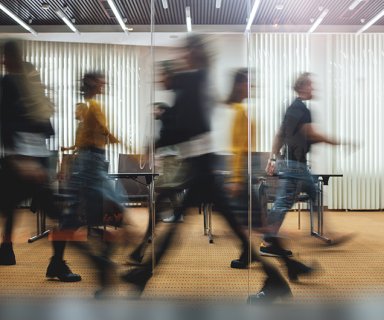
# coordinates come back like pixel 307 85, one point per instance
pixel 350 146
pixel 271 167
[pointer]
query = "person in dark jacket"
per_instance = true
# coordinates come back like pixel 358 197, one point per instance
pixel 189 130
pixel 25 114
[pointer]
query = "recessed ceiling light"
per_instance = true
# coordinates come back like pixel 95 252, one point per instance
pixel 362 20
pixel 279 7
pixel 312 20
pixel 45 5
pixel 130 29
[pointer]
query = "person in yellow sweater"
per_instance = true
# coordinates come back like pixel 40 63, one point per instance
pixel 239 129
pixel 95 192
pixel 237 182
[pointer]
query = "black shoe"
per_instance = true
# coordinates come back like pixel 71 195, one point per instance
pixel 106 270
pixel 139 277
pixel 59 269
pixel 7 256
pixel 243 261
pixel 272 290
pixel 274 251
pixel 137 255
pixel 296 269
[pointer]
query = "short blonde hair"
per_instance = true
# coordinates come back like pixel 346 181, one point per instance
pixel 302 81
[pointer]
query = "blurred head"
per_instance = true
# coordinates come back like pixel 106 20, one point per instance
pixel 239 87
pixel 12 56
pixel 81 109
pixel 93 83
pixel 303 86
pixel 196 52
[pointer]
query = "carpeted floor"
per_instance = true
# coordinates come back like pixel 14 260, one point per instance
pixel 194 269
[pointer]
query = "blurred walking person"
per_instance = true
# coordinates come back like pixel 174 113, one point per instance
pixel 25 126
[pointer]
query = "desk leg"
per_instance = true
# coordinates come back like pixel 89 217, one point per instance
pixel 152 214
pixel 320 214
pixel 210 235
pixel 207 212
pixel 41 231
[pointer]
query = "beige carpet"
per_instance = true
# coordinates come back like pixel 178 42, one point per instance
pixel 195 269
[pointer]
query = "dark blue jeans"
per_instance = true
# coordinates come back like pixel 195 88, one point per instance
pixel 295 178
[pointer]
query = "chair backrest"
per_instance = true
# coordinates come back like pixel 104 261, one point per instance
pixel 259 163
pixel 133 163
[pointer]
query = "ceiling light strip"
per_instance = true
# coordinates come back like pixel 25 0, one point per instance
pixel 318 21
pixel 354 4
pixel 371 22
pixel 188 18
pixel 18 20
pixel 252 15
pixel 165 4
pixel 218 4
pixel 117 15
pixel 66 21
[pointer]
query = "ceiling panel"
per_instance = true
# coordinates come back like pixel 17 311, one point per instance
pixel 203 12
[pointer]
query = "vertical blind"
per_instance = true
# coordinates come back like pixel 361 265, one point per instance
pixel 357 67
pixel 355 109
pixel 62 66
pixel 276 59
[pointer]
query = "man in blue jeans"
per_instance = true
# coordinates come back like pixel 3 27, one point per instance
pixel 296 134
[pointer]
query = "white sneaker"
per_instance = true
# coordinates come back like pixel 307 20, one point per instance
pixel 173 219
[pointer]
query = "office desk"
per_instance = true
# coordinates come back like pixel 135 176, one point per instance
pixel 322 180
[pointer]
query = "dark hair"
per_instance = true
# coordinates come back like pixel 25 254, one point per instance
pixel 90 81
pixel 13 51
pixel 196 45
pixel 12 47
pixel 240 76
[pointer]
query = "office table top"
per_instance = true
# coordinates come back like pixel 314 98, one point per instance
pixel 326 176
pixel 149 176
